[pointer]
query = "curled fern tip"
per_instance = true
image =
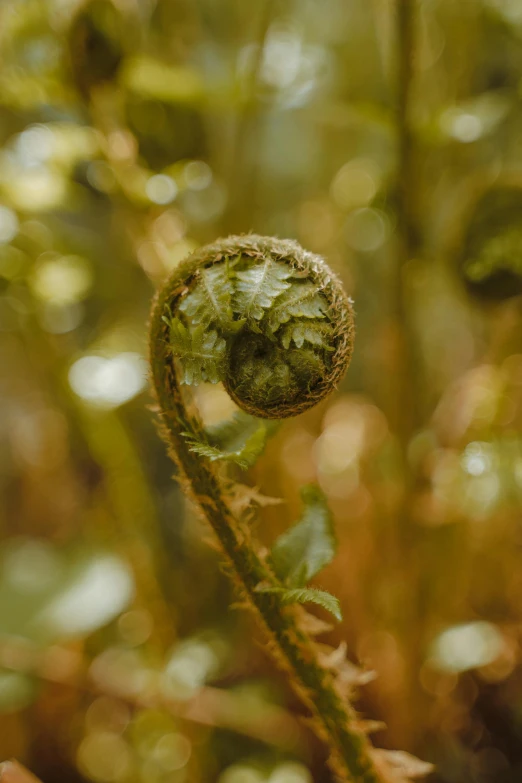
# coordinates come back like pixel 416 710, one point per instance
pixel 265 317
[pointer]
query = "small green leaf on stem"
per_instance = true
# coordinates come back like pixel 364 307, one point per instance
pixel 209 301
pixel 307 547
pixel 243 451
pixel 303 595
pixel 201 353
pixel 301 300
pixel 258 286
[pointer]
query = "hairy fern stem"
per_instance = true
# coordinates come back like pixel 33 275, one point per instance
pixel 317 683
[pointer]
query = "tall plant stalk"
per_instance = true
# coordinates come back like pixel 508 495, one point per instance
pixel 202 287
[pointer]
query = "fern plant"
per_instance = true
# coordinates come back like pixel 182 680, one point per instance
pixel 273 324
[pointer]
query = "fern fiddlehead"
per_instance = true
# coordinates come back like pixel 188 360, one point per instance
pixel 273 324
pixel 266 318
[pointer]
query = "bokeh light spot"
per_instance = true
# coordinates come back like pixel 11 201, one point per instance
pixel 8 225
pixel 467 646
pixel 135 627
pixel 35 145
pixel 161 189
pixel 37 189
pixel 107 714
pixel 366 229
pixel 61 318
pixel 30 566
pixel 62 279
pixel 355 184
pixel 108 382
pixel 102 589
pixel 197 175
pixel 462 126
pixel 16 691
pixel 290 772
pixel 242 773
pixel 192 663
pixel 477 458
pixel 172 751
pixel 104 757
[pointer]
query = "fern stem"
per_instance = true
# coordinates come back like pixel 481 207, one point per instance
pixel 334 718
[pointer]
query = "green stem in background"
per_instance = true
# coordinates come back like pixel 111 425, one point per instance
pixel 244 170
pixel 352 757
pixel 132 512
pixel 405 22
pixel 409 384
pixel 405 402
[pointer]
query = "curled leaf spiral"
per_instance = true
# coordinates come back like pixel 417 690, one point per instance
pixel 267 318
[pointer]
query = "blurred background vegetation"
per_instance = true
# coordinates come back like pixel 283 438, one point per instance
pixel 386 136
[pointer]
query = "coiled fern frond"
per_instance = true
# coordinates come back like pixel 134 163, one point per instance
pixel 273 324
pixel 264 316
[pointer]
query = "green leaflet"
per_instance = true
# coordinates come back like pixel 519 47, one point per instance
pixel 301 332
pixel 257 287
pixel 232 434
pixel 258 299
pixel 214 454
pixel 241 440
pixel 201 352
pixel 303 595
pixel 274 382
pixel 17 691
pixel 300 300
pixel 210 299
pixel 303 550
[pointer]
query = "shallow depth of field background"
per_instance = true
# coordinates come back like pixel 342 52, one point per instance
pixel 387 138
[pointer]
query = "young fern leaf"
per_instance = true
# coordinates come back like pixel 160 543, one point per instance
pixel 317 333
pixel 231 434
pixel 301 300
pixel 201 353
pixel 243 451
pixel 303 595
pixel 270 382
pixel 210 452
pixel 257 287
pixel 307 547
pixel 209 302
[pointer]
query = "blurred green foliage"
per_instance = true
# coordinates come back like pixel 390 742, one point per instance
pixel 131 132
